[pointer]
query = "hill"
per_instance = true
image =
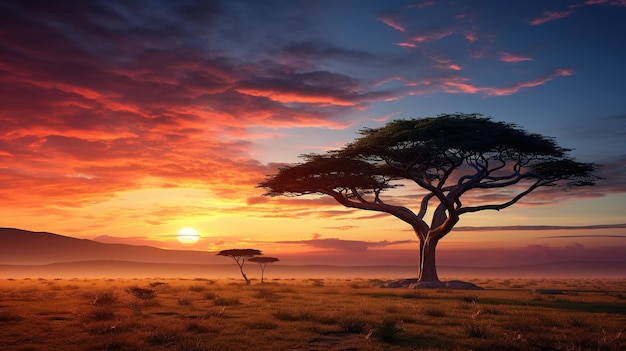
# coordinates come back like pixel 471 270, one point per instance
pixel 22 247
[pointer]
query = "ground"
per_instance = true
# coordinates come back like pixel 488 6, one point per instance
pixel 309 314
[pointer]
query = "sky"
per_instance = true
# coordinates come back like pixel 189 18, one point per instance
pixel 126 121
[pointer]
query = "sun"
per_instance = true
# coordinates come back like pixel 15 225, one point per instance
pixel 188 236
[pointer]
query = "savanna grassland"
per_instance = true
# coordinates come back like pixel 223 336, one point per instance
pixel 313 314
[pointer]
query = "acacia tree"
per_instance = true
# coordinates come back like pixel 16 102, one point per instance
pixel 458 164
pixel 263 261
pixel 240 256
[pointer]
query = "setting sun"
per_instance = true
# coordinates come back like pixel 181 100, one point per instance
pixel 188 236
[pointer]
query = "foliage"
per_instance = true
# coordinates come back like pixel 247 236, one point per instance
pixel 455 162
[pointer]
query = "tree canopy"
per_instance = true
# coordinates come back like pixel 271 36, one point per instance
pixel 452 161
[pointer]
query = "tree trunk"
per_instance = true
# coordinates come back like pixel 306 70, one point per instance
pixel 428 268
pixel 240 264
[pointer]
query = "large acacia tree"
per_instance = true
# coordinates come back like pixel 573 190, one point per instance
pixel 456 164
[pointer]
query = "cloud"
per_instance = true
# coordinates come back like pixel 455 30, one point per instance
pixel 460 86
pixel 540 227
pixel 422 5
pixel 618 3
pixel 343 227
pixel 98 98
pixel 335 244
pixel 550 16
pixel 391 22
pixel 527 255
pixel 507 57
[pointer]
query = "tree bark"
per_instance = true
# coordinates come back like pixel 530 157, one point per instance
pixel 428 268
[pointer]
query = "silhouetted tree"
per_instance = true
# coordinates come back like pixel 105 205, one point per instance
pixel 263 261
pixel 447 158
pixel 240 256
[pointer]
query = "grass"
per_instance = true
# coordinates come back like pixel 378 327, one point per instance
pixel 314 314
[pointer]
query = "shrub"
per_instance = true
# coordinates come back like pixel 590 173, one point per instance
pixel 104 298
pixel 196 327
pixel 184 301
pixel 352 324
pixel 475 330
pixel 226 301
pixel 141 293
pixel 100 314
pixel 265 294
pixel 470 299
pixel 6 317
pixel 210 295
pixel 292 315
pixel 137 307
pixel 190 344
pixel 434 312
pixel 388 329
pixel 197 288
pixel 318 283
pixel 493 310
pixel 162 336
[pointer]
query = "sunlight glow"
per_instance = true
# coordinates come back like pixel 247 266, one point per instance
pixel 188 236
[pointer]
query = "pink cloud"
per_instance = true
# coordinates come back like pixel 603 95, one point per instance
pixel 422 4
pixel 406 45
pixel 432 36
pixel 393 23
pixel 460 86
pixel 506 57
pixel 620 3
pixel 550 16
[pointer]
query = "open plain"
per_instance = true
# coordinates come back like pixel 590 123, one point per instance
pixel 309 314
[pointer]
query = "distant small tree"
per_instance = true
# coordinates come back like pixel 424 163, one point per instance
pixel 240 256
pixel 263 261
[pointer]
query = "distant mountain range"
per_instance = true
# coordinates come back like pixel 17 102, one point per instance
pixel 22 247
pixel 38 254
